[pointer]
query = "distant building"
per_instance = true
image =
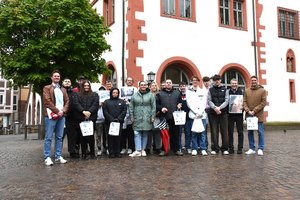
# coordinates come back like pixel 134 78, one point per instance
pixel 234 38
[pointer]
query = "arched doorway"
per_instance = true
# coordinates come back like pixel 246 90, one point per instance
pixel 113 76
pixel 233 74
pixel 176 73
pixel 178 69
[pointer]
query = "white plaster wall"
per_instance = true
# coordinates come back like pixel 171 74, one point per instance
pixel 211 47
pixel 280 108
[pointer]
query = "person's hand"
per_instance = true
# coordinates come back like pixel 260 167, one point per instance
pixel 251 113
pixel 164 110
pixel 217 110
pixel 179 106
pixel 60 113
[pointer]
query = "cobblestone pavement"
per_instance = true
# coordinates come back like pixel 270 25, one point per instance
pixel 272 176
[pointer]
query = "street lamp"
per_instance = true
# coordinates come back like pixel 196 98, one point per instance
pixel 151 77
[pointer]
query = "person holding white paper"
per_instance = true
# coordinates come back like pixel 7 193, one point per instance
pixel 255 100
pixel 86 105
pixel 114 110
pixel 196 101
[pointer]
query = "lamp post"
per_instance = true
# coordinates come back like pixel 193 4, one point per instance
pixel 151 77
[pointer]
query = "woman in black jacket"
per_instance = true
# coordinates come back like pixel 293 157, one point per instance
pixel 114 110
pixel 86 105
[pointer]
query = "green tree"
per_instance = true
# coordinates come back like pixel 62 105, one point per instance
pixel 39 36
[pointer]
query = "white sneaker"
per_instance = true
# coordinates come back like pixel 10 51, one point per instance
pixel 99 152
pixel 225 152
pixel 194 152
pixel 144 153
pixel 123 151
pixel 204 153
pixel 48 161
pixel 189 151
pixel 249 152
pixel 61 160
pixel 129 151
pixel 260 152
pixel 213 152
pixel 135 154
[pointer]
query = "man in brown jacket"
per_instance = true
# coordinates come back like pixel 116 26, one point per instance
pixel 56 103
pixel 255 99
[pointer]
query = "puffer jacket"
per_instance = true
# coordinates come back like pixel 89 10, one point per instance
pixel 255 99
pixel 142 109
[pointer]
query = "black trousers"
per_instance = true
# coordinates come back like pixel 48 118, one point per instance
pixel 86 141
pixel 218 123
pixel 127 138
pixel 73 136
pixel 238 120
pixel 114 142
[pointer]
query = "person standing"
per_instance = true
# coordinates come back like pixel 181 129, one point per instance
pixel 127 138
pixel 235 116
pixel 186 128
pixel 168 101
pixel 56 103
pixel 255 100
pixel 70 123
pixel 196 101
pixel 86 105
pixel 142 112
pixel 206 84
pixel 218 101
pixel 114 110
pixel 154 138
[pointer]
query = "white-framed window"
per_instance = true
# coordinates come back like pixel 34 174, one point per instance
pixel 176 74
pixel 225 12
pixel 230 74
pixel 169 7
pixel 185 8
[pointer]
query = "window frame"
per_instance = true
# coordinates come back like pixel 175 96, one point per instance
pixel 284 25
pixel 177 11
pixel 109 12
pixel 292 90
pixel 231 14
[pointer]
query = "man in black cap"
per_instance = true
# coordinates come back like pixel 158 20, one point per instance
pixel 218 101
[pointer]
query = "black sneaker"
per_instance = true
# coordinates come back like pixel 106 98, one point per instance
pixel 239 151
pixel 231 151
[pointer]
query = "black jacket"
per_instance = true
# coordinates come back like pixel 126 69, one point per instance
pixel 169 100
pixel 86 103
pixel 114 110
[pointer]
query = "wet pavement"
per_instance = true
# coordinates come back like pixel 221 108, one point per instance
pixel 275 175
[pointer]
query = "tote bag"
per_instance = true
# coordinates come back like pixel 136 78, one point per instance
pixel 197 126
pixel 252 123
pixel 87 128
pixel 179 117
pixel 114 129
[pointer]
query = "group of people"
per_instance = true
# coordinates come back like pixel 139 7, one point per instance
pixel 66 108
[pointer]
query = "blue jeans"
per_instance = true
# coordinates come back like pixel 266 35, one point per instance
pixel 196 137
pixel 187 134
pixel 140 140
pixel 51 127
pixel 261 137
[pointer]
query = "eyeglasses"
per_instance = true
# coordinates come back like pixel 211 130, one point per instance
pixel 143 84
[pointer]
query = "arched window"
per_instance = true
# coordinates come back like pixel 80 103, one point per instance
pixel 290 61
pixel 176 73
pixel 230 74
pixel 113 76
